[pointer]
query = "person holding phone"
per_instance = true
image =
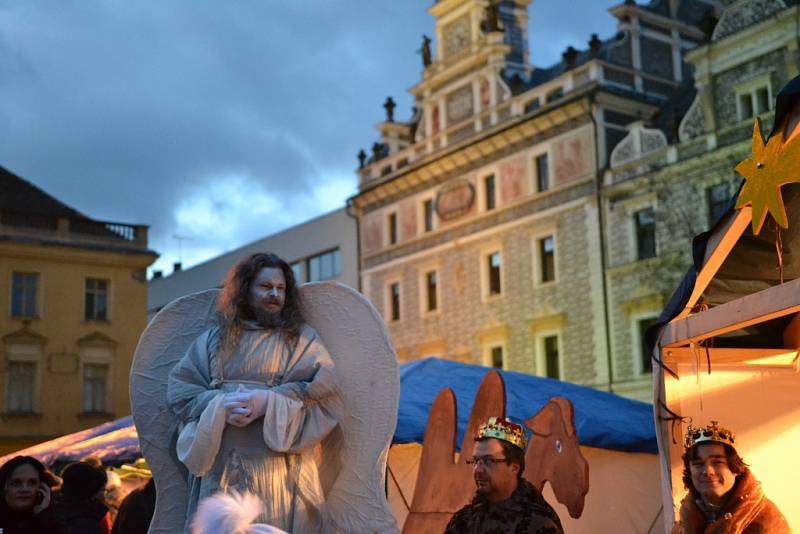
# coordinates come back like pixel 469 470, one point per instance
pixel 25 498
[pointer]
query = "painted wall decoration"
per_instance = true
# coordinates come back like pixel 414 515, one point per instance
pixel 408 220
pixel 460 105
pixel 572 158
pixel 435 120
pixel 484 93
pixel 372 232
pixel 512 180
pixel 455 199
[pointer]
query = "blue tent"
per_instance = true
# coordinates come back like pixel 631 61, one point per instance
pixel 602 420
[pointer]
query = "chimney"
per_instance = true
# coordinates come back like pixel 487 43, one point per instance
pixel 176 267
pixel 595 44
pixel 158 274
pixel 570 55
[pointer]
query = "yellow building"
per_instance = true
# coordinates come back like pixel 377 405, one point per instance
pixel 74 301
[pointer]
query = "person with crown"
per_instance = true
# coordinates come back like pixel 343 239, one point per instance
pixel 504 501
pixel 724 497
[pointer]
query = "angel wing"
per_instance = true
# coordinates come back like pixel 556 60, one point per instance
pixel 353 463
pixel 165 340
pixel 369 379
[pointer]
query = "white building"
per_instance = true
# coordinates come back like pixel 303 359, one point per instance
pixel 323 248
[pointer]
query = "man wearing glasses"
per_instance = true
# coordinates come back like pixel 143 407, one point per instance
pixel 504 501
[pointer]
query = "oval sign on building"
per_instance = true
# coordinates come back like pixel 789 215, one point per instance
pixel 455 199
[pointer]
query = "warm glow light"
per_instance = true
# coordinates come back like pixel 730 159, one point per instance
pixel 759 402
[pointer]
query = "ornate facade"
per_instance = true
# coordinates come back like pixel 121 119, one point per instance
pixel 482 237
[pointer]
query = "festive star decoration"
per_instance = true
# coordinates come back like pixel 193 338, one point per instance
pixel 769 167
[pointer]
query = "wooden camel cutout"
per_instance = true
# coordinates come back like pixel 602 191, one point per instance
pixel 444 486
pixel 554 455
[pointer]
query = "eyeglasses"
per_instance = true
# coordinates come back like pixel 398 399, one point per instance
pixel 486 461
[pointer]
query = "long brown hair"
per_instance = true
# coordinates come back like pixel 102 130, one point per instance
pixel 234 303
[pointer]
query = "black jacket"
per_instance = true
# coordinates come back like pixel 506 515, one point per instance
pixel 28 523
pixel 82 517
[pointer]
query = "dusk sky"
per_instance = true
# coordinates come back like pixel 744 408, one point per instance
pixel 221 122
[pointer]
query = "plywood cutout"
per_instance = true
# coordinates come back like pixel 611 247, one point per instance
pixel 445 485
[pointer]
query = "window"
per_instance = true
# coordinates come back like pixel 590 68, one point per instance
pixel 94 389
pixel 497 356
pixel 394 301
pixel 20 387
pixel 762 100
pixel 645 233
pixel 547 260
pixel 324 266
pixel 745 106
pixel 550 351
pixel 644 354
pixel 392 227
pixel 427 214
pixel 96 300
pixel 542 173
pixel 717 198
pixel 489 189
pixel 493 264
pixel 297 270
pixel 555 94
pixel 23 294
pixel 431 303
pixel 754 99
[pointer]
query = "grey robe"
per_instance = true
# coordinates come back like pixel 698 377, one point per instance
pixel 272 456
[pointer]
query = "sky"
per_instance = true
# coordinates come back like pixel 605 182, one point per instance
pixel 218 123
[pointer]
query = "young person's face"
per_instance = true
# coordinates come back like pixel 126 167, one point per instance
pixel 20 488
pixel 711 474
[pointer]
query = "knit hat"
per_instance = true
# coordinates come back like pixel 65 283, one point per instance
pixel 82 481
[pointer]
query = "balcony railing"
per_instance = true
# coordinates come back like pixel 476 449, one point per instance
pixel 73 230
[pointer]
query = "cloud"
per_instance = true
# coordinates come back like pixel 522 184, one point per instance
pixel 223 122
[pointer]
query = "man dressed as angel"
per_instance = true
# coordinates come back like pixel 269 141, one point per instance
pixel 254 396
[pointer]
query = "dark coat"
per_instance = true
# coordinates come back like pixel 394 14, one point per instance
pixel 28 523
pixel 525 512
pixel 82 517
pixel 747 511
pixel 136 511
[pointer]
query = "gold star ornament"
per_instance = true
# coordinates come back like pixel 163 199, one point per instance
pixel 769 167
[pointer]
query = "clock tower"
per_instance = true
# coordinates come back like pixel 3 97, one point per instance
pixel 480 46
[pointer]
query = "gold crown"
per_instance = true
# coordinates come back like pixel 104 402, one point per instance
pixel 712 432
pixel 502 428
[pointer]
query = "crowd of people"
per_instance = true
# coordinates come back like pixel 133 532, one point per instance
pixel 83 498
pixel 265 366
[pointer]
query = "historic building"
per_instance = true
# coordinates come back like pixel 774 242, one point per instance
pixel 74 300
pixel 320 249
pixel 480 228
pixel 666 185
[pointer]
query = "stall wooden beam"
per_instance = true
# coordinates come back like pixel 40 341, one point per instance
pixel 725 355
pixel 759 307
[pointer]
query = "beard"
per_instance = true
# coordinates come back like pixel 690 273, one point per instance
pixel 268 319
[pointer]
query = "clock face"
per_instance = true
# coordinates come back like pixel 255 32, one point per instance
pixel 456 36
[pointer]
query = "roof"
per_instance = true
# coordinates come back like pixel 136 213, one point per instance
pixel 602 420
pixel 22 196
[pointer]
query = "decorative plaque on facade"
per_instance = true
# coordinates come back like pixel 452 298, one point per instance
pixel 455 199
